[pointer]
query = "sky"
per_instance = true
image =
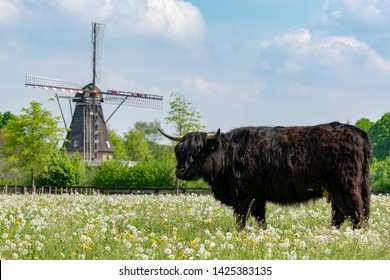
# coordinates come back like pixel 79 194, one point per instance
pixel 239 63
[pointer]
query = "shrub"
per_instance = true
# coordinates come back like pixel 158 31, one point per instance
pixel 380 174
pixel 149 173
pixel 63 170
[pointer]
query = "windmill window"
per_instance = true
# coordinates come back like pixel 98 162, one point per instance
pixel 75 143
pixel 108 144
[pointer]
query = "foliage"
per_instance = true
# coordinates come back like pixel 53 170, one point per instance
pixel 137 145
pixel 365 124
pixel 380 136
pixel 182 115
pixel 30 139
pixel 150 129
pixel 185 227
pixel 120 152
pixel 110 173
pixel 380 174
pixel 149 173
pixel 379 133
pixel 152 173
pixel 63 170
pixel 4 118
pixel 161 151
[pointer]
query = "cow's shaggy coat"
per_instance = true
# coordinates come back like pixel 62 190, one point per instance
pixel 246 167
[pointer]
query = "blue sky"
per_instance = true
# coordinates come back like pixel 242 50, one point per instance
pixel 249 62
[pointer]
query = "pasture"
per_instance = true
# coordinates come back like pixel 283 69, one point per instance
pixel 184 227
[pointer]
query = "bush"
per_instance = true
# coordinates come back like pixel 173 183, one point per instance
pixel 380 174
pixel 110 173
pixel 149 173
pixel 63 170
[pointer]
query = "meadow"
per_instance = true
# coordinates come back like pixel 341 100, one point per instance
pixel 184 227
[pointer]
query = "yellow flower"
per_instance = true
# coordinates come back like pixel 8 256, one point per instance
pixel 193 243
pixel 86 247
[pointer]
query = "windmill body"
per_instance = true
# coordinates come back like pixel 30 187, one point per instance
pixel 83 136
pixel 88 134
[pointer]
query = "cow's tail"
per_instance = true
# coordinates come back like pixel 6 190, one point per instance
pixel 366 187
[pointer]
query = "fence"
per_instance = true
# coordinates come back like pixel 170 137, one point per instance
pixel 99 190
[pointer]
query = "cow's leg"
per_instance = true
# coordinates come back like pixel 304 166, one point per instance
pixel 241 210
pixel 258 211
pixel 241 216
pixel 348 203
pixel 358 213
pixel 337 216
pixel 366 195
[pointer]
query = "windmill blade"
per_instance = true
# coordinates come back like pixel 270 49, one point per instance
pixel 52 84
pixel 133 99
pixel 97 51
pixel 71 98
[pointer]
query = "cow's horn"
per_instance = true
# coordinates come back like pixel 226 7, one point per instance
pixel 214 136
pixel 173 138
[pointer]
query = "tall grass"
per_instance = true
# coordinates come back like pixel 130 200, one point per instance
pixel 179 227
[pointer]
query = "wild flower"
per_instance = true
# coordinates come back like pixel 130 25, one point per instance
pixel 178 227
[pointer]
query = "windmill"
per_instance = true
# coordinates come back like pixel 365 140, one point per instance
pixel 88 134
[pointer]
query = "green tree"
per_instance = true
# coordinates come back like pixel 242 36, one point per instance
pixel 30 139
pixel 380 174
pixel 119 143
pixel 150 129
pixel 137 145
pixel 5 117
pixel 182 115
pixel 184 118
pixel 380 137
pixel 365 124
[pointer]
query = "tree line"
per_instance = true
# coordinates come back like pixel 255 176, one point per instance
pixel 30 153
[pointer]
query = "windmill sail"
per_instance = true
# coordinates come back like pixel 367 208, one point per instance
pixel 97 51
pixel 52 84
pixel 133 99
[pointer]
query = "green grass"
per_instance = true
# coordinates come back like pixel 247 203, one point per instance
pixel 179 227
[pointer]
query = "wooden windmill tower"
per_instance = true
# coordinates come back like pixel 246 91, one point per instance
pixel 88 134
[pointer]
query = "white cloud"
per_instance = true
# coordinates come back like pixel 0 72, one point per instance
pixel 205 87
pixel 298 51
pixel 300 36
pixel 173 19
pixel 8 10
pixel 116 81
pixel 368 11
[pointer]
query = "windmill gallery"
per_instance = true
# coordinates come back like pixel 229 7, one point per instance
pixel 88 134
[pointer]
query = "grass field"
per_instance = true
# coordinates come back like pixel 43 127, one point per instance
pixel 179 227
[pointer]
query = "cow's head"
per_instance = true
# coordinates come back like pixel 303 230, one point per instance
pixel 192 151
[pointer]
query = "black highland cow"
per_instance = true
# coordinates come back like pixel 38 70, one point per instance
pixel 246 167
